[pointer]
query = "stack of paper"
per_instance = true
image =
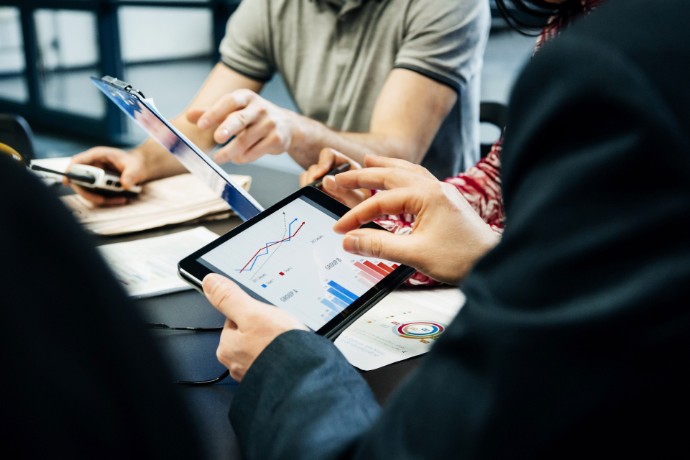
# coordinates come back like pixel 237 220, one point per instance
pixel 172 200
pixel 148 267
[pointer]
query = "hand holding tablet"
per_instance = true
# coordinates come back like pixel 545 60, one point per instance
pixel 289 256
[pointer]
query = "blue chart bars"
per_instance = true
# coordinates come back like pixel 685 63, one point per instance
pixel 338 299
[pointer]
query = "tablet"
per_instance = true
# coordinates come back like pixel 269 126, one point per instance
pixel 144 113
pixel 289 256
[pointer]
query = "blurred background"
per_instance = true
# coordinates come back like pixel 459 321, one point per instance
pixel 50 48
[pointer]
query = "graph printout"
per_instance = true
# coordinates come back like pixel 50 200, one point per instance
pixel 404 324
pixel 294 260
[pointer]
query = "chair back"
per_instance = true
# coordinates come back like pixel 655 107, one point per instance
pixel 493 113
pixel 16 138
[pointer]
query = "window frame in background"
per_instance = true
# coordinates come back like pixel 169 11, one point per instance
pixel 111 126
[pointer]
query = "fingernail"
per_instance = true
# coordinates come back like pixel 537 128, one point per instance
pixel 329 182
pixel 234 126
pixel 224 134
pixel 210 281
pixel 351 244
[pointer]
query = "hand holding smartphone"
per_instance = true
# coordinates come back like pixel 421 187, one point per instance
pixel 95 179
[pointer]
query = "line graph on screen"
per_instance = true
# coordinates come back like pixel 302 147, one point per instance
pixel 270 247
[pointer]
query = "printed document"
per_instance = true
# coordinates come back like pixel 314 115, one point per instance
pixel 148 267
pixel 403 324
pixel 173 200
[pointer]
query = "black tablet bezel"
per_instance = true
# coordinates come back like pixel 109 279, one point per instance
pixel 194 272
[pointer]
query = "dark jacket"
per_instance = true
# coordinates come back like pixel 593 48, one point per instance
pixel 576 331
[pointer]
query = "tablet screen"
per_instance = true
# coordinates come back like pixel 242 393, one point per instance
pixel 293 259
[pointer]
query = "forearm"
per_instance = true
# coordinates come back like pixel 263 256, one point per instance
pixel 394 130
pixel 159 162
pixel 312 136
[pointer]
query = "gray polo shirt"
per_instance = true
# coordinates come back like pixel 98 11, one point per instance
pixel 335 56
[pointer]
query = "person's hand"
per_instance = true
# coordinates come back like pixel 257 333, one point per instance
pixel 250 325
pixel 377 161
pixel 447 238
pixel 329 159
pixel 130 167
pixel 258 126
pixel 352 198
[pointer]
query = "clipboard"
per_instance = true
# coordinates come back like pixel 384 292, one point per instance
pixel 142 110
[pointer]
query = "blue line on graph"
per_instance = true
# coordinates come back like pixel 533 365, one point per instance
pixel 271 243
pixel 348 293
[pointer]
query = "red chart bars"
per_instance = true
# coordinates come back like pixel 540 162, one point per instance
pixel 373 273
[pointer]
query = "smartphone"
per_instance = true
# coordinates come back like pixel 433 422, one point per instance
pixel 95 179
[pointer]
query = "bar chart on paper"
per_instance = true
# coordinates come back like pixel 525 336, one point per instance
pixel 295 261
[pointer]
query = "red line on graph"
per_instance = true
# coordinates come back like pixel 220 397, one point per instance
pixel 268 245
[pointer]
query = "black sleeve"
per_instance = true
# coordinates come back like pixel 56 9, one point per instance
pixel 576 330
pixel 301 399
pixel 81 378
pixel 577 322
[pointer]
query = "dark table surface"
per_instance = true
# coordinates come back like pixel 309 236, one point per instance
pixel 192 354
